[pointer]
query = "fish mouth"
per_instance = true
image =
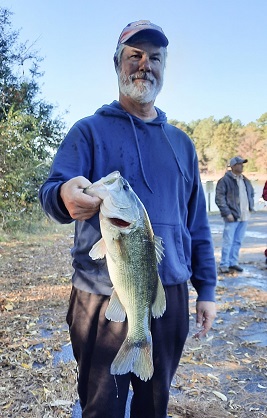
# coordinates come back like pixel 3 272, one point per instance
pixel 119 222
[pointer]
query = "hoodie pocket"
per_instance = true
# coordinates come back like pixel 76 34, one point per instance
pixel 173 268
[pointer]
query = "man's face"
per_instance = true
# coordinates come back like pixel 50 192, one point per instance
pixel 237 168
pixel 141 72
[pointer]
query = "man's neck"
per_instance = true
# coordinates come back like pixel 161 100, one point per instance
pixel 144 111
pixel 237 174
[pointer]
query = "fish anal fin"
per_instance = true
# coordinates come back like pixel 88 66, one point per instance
pixel 159 305
pixel 98 250
pixel 134 357
pixel 115 310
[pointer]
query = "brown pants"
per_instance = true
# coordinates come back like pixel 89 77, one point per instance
pixel 96 341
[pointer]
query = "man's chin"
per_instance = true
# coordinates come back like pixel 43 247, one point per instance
pixel 141 92
pixel 144 99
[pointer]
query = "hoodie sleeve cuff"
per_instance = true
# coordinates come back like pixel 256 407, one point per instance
pixel 206 293
pixel 57 209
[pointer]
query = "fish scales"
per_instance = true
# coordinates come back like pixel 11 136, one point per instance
pixel 132 253
pixel 137 261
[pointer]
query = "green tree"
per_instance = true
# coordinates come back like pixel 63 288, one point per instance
pixel 28 132
pixel 226 141
pixel 203 138
pixel 261 125
pixel 262 122
pixel 181 125
pixel 249 141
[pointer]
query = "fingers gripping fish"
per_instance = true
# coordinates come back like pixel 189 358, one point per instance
pixel 132 252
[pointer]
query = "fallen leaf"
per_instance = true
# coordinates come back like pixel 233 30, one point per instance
pixel 26 366
pixel 245 360
pixel 61 402
pixel 196 348
pixel 220 395
pixel 213 377
pixel 210 338
pixel 209 365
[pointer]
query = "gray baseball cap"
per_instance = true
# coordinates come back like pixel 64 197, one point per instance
pixel 237 160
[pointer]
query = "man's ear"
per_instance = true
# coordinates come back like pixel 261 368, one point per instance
pixel 116 63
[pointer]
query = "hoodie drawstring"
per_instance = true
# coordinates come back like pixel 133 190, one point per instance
pixel 140 156
pixel 139 153
pixel 174 153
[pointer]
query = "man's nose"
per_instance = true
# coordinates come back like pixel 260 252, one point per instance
pixel 145 64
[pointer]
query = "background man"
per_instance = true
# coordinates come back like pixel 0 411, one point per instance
pixel 159 161
pixel 235 198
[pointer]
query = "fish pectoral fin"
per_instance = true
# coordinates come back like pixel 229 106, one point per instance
pixel 159 248
pixel 98 250
pixel 135 357
pixel 115 310
pixel 159 305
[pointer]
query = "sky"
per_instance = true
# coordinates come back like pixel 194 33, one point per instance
pixel 216 65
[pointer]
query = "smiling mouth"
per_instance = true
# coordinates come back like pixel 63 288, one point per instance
pixel 142 79
pixel 143 76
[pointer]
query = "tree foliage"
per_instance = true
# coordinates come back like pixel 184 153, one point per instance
pixel 217 141
pixel 28 132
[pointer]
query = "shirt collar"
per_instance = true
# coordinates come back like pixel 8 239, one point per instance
pixel 235 176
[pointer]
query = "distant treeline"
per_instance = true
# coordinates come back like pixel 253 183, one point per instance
pixel 217 141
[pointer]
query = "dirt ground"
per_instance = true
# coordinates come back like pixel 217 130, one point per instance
pixel 224 375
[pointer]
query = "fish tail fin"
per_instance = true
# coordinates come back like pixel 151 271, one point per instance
pixel 134 357
pixel 159 305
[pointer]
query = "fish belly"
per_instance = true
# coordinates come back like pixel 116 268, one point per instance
pixel 135 280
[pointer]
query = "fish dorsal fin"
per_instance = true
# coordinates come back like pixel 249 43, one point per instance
pixel 159 248
pixel 98 250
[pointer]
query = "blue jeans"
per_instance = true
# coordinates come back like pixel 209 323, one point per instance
pixel 233 235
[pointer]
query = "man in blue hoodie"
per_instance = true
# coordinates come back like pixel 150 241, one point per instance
pixel 160 162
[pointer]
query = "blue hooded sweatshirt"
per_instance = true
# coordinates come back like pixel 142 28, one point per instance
pixel 160 163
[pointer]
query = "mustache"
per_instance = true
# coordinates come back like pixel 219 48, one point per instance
pixel 143 76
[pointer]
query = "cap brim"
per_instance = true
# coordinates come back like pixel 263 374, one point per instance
pixel 238 162
pixel 145 33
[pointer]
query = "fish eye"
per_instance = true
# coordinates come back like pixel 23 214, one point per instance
pixel 125 187
pixel 111 181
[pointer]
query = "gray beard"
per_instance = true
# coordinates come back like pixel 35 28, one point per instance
pixel 143 91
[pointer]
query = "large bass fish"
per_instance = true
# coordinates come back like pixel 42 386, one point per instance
pixel 132 253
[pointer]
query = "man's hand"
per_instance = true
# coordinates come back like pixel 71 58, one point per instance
pixel 230 218
pixel 79 205
pixel 206 312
